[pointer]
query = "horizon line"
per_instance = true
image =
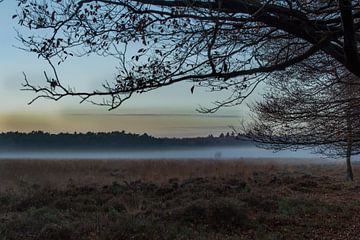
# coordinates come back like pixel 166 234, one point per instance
pixel 155 115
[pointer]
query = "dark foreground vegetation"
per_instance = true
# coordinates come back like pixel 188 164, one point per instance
pixel 176 200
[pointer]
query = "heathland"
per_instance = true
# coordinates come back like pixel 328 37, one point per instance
pixel 176 199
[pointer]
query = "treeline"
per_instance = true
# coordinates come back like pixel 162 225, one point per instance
pixel 111 140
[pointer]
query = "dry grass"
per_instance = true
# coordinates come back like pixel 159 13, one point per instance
pixel 59 173
pixel 178 199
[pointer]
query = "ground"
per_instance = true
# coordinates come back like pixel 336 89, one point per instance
pixel 178 199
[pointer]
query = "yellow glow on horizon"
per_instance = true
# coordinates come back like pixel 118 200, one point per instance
pixel 167 125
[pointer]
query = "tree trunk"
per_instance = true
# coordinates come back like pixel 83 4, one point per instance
pixel 352 60
pixel 349 130
pixel 349 172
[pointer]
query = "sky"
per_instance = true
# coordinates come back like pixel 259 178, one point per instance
pixel 169 111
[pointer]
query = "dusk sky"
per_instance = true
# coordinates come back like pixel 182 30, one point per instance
pixel 169 111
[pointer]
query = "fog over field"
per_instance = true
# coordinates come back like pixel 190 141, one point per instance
pixel 244 152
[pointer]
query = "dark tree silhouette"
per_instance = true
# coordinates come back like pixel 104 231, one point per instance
pixel 95 141
pixel 311 110
pixel 224 45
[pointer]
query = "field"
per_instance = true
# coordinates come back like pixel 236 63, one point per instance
pixel 188 199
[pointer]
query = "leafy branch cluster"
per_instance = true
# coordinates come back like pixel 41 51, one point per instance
pixel 228 46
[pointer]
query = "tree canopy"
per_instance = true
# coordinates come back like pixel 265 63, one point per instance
pixel 312 109
pixel 223 45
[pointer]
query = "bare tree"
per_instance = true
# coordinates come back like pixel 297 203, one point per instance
pixel 219 44
pixel 312 110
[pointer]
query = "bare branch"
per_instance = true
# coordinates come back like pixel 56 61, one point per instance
pixel 225 46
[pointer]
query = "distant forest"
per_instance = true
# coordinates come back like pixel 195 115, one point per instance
pixel 112 140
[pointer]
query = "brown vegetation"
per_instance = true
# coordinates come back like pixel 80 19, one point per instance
pixel 189 199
